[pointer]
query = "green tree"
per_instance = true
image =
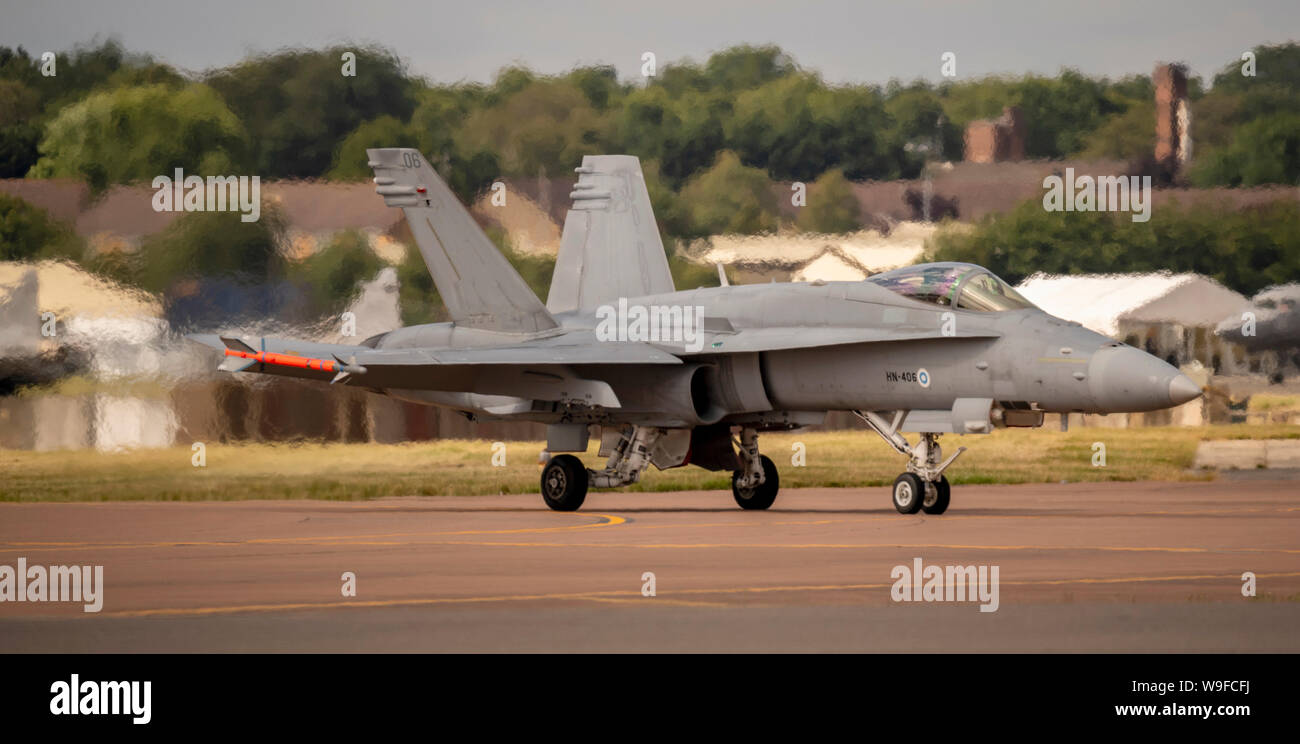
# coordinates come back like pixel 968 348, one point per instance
pixel 431 131
pixel 783 128
pixel 1246 249
pixel 212 245
pixel 1127 136
pixel 832 207
pixel 297 106
pixel 1264 151
pixel 544 128
pixel 20 131
pixel 1277 64
pixel 138 133
pixel 350 162
pixel 745 67
pixel 334 273
pixel 599 83
pixel 29 232
pixel 731 197
pixel 916 116
pixel 682 135
pixel 29 99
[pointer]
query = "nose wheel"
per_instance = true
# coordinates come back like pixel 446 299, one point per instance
pixel 923 487
pixel 937 496
pixel 909 491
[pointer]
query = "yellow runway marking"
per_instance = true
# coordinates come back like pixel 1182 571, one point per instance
pixel 632 596
pixel 609 521
pixel 858 546
pixel 657 601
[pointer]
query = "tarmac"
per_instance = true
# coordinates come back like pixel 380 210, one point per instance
pixel 1146 566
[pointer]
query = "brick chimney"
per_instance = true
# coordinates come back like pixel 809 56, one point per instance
pixel 996 140
pixel 1173 117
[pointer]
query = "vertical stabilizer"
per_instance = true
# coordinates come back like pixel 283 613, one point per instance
pixel 611 246
pixel 479 286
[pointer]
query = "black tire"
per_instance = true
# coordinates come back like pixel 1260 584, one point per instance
pixel 762 495
pixel 564 483
pixel 907 494
pixel 942 495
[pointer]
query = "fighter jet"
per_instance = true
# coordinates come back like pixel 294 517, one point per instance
pixel 693 377
pixel 1272 324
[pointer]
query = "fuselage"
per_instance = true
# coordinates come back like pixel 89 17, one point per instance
pixel 1019 359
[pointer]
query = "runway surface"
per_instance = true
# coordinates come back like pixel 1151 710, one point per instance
pixel 1082 567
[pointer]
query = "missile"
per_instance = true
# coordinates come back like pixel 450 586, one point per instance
pixel 239 356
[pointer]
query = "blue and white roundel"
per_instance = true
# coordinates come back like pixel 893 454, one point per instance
pixel 923 377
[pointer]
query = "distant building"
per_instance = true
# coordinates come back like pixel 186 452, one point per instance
pixel 809 256
pixel 1173 117
pixel 1172 316
pixel 996 140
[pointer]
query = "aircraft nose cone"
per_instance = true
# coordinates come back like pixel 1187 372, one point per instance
pixel 1229 329
pixel 1124 379
pixel 1182 389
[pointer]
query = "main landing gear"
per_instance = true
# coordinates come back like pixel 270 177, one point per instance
pixel 565 479
pixel 754 486
pixel 923 487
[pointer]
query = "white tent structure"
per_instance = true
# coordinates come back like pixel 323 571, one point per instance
pixel 1170 315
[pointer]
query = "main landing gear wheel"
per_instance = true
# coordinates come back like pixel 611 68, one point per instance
pixel 909 491
pixel 760 496
pixel 938 502
pixel 564 483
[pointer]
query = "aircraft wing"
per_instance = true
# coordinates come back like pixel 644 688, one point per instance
pixel 802 337
pixel 599 353
pixel 540 372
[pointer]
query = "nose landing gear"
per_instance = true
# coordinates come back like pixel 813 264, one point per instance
pixel 923 487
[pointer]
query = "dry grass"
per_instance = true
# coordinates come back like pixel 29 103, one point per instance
pixel 463 467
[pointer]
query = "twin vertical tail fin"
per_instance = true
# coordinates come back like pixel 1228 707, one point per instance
pixel 478 285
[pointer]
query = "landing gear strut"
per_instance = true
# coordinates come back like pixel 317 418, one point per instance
pixel 923 487
pixel 754 486
pixel 565 479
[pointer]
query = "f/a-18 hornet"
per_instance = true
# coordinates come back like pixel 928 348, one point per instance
pixel 1271 325
pixel 693 377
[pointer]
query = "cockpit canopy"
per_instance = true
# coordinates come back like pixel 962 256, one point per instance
pixel 959 285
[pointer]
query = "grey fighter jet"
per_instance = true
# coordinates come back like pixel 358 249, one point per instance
pixel 1272 324
pixel 693 377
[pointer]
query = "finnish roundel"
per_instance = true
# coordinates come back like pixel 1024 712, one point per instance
pixel 923 378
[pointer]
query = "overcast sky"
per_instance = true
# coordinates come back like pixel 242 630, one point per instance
pixel 845 40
